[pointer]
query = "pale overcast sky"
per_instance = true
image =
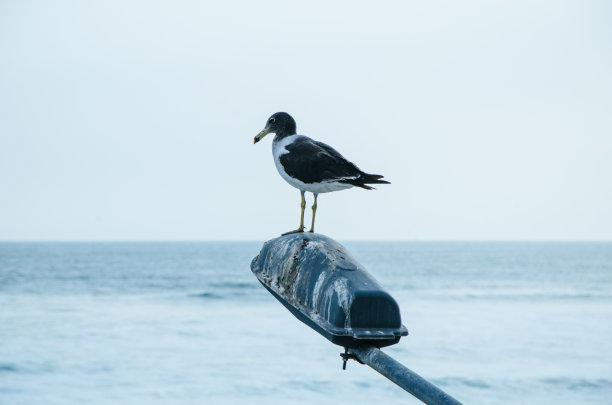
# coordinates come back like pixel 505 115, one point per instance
pixel 134 120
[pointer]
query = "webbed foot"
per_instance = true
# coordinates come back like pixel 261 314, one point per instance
pixel 299 230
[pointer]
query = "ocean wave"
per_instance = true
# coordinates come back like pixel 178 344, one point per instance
pixel 226 289
pixel 513 295
pixel 8 368
pixel 468 382
pixel 235 285
pixel 578 383
pixel 27 368
pixel 556 383
pixel 206 295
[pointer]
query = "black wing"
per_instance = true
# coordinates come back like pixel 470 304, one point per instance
pixel 313 162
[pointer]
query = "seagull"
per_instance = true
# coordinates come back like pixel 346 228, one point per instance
pixel 309 165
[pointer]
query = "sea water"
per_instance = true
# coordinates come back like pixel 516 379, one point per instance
pixel 188 323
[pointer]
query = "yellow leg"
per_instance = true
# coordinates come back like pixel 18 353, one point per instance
pixel 314 211
pixel 302 206
pixel 301 227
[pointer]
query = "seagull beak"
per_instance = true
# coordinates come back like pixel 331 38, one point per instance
pixel 260 135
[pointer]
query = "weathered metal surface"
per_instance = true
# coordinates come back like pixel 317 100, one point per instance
pixel 325 287
pixel 403 376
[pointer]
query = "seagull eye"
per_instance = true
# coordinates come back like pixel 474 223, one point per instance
pixel 271 120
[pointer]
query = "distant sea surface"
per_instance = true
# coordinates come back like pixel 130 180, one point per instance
pixel 188 323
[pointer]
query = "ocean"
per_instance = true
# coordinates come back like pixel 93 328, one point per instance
pixel 188 323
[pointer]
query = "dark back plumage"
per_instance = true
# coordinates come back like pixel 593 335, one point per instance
pixel 311 161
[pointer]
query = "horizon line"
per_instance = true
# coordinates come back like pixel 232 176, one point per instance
pixel 347 240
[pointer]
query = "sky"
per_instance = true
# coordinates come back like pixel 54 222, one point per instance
pixel 134 120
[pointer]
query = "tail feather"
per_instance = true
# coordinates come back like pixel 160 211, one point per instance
pixel 364 179
pixel 373 179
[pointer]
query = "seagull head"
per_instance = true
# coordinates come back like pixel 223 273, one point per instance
pixel 280 123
